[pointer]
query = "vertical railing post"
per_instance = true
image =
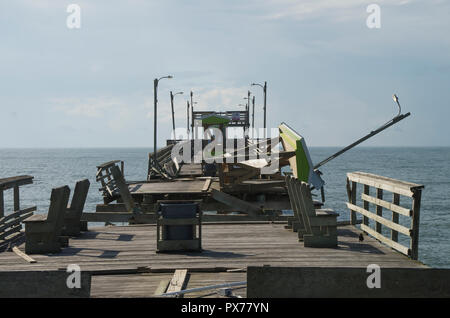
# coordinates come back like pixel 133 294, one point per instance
pixel 366 205
pixel 396 201
pixel 379 210
pixel 16 198
pixel 351 192
pixel 2 205
pixel 415 224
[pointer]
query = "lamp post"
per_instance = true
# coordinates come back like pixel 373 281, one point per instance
pixel 247 109
pixel 265 98
pixel 155 89
pixel 253 117
pixel 173 112
pixel 192 115
pixel 187 119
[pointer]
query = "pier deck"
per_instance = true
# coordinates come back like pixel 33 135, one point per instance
pixel 131 252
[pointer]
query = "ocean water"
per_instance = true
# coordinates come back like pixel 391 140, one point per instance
pixel 428 166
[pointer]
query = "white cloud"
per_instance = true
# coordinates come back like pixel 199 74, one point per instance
pixel 94 107
pixel 114 112
pixel 303 9
pixel 220 99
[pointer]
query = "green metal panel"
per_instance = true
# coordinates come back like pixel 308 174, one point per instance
pixel 295 140
pixel 304 166
pixel 215 120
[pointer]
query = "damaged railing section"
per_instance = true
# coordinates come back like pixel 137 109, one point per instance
pixel 380 185
pixel 104 175
pixel 11 224
pixel 164 165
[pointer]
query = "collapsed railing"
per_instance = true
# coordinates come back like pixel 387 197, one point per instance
pixel 397 188
pixel 104 175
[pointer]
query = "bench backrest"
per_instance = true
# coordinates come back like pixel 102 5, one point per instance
pixel 297 201
pixel 58 204
pixel 79 197
pixel 306 197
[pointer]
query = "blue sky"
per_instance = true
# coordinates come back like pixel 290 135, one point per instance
pixel 329 76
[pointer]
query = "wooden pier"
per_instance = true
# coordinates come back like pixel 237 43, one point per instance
pixel 238 234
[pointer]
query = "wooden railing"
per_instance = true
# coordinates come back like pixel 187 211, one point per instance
pixel 11 224
pixel 397 188
pixel 104 176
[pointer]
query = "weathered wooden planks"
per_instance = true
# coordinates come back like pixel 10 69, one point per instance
pixel 154 284
pixel 225 246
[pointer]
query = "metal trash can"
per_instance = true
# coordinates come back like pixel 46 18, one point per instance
pixel 178 211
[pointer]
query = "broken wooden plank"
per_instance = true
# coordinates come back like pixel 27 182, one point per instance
pixel 206 185
pixel 240 205
pixel 162 287
pixel 16 250
pixel 178 281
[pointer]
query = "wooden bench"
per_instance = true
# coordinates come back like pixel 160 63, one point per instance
pixel 72 219
pixel 43 231
pixel 316 227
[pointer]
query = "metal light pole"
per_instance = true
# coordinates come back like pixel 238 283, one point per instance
pixel 248 108
pixel 265 99
pixel 253 117
pixel 187 119
pixel 192 115
pixel 173 112
pixel 155 93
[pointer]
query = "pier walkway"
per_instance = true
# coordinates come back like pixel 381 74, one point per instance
pixel 129 252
